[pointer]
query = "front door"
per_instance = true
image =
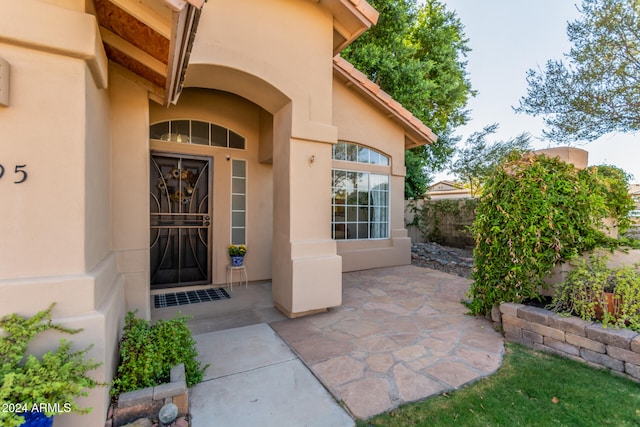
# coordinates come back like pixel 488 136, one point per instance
pixel 180 209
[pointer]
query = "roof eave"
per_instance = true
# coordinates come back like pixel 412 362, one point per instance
pixel 136 34
pixel 185 25
pixel 416 132
pixel 351 18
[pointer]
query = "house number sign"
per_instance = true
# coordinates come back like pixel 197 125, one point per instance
pixel 19 172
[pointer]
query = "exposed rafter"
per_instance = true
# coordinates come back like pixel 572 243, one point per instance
pixel 151 39
pixel 131 51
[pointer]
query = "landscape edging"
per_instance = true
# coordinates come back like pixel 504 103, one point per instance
pixel 573 338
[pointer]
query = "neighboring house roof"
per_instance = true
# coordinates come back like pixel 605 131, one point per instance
pixel 447 190
pixel 445 186
pixel 416 132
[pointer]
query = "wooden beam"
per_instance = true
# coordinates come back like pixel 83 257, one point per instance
pixel 130 50
pixel 144 13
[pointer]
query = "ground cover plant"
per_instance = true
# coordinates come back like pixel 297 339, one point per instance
pixel 49 383
pixel 530 389
pixel 535 212
pixel 148 351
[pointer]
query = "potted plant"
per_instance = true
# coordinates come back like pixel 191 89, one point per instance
pixel 34 389
pixel 237 253
pixel 594 291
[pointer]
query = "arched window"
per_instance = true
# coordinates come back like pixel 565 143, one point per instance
pixel 350 152
pixel 196 132
pixel 360 196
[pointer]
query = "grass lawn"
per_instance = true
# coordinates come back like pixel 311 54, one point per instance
pixel 530 389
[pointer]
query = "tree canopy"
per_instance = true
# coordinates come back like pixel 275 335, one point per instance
pixel 597 89
pixel 416 54
pixel 478 159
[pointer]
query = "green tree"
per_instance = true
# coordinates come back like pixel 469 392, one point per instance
pixel 416 54
pixel 478 159
pixel 597 89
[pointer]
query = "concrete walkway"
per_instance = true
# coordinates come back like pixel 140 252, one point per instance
pixel 256 380
pixel 400 335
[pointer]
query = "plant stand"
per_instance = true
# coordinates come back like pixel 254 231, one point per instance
pixel 242 279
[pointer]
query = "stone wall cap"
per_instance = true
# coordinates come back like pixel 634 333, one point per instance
pixel 177 373
pixel 135 397
pixel 163 391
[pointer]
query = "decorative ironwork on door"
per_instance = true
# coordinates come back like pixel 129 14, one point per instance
pixel 180 221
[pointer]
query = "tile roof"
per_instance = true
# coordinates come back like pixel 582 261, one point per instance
pixel 417 133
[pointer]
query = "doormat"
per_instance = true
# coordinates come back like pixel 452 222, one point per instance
pixel 189 297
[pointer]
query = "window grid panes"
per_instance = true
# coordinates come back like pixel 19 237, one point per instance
pixel 196 132
pixel 358 153
pixel 360 205
pixel 238 202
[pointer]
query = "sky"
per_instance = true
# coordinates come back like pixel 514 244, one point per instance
pixel 507 38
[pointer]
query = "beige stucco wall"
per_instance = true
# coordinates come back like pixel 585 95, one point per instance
pixel 360 122
pixel 287 44
pixel 288 73
pixel 129 126
pixel 55 226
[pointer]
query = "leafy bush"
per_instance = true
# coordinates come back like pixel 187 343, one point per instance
pixel 583 292
pixel 535 212
pixel 51 382
pixel 147 353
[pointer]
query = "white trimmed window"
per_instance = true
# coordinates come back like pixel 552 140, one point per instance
pixel 360 197
pixel 238 202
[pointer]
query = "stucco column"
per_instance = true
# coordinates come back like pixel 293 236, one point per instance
pixel 55 149
pixel 307 272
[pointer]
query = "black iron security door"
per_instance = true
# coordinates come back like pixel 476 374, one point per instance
pixel 180 209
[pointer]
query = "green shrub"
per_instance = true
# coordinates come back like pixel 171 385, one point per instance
pixel 147 353
pixel 50 383
pixel 583 291
pixel 535 212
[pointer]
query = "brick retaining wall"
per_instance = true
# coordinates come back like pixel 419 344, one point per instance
pixel 146 402
pixel 572 337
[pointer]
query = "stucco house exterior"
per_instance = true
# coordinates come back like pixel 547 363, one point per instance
pixel 141 137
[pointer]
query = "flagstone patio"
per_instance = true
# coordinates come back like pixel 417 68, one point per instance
pixel 400 335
